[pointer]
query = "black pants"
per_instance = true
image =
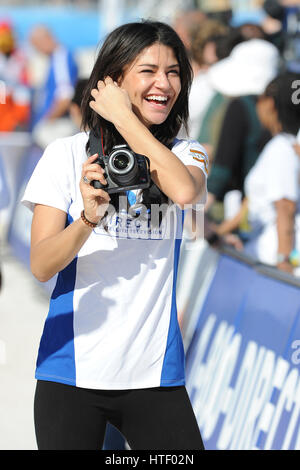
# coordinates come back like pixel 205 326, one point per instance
pixel 71 418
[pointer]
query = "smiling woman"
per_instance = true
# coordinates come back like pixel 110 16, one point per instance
pixel 111 350
pixel 118 56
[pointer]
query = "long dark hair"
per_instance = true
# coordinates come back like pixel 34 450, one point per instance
pixel 120 48
pixel 285 96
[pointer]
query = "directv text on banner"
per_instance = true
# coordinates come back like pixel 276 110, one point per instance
pixel 243 361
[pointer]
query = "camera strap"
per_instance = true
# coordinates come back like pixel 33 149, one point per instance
pixel 95 145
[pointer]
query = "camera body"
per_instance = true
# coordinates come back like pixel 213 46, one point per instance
pixel 124 170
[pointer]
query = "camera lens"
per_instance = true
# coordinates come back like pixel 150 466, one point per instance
pixel 121 161
pixel 123 167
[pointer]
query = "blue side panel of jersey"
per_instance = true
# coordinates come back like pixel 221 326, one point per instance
pixel 56 357
pixel 173 366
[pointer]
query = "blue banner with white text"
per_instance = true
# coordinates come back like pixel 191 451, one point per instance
pixel 243 361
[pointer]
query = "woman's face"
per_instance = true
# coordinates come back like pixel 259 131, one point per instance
pixel 267 114
pixel 152 82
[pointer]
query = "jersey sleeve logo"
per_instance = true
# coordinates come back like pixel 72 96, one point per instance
pixel 200 157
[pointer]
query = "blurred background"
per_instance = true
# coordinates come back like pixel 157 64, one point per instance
pixel 244 109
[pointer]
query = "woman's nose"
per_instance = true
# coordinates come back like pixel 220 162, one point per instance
pixel 162 81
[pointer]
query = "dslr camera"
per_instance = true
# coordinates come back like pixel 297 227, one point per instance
pixel 123 170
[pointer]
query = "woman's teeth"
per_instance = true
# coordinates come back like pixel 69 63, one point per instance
pixel 160 99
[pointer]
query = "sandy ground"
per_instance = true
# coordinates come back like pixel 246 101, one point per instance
pixel 23 309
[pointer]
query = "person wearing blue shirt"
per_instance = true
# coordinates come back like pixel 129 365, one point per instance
pixel 52 102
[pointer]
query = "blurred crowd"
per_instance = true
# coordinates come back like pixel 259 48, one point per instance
pixel 244 109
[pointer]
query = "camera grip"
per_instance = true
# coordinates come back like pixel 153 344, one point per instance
pixel 98 185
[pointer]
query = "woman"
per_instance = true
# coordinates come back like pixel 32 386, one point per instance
pixel 271 205
pixel 111 349
pixel 272 186
pixel 272 191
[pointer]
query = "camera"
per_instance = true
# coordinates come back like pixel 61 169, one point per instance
pixel 123 170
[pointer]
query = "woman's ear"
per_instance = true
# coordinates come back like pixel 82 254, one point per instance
pixel 119 80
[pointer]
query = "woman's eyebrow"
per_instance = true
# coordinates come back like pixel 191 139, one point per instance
pixel 156 66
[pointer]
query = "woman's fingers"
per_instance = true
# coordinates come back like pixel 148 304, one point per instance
pixel 88 165
pixel 95 175
pixel 91 159
pixel 94 93
pixel 93 167
pixel 108 81
pixel 100 193
pixel 93 171
pixel 101 84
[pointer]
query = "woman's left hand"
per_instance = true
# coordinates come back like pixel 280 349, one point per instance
pixel 109 100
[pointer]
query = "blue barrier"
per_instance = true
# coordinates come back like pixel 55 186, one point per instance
pixel 4 189
pixel 243 360
pixel 20 226
pixel 19 231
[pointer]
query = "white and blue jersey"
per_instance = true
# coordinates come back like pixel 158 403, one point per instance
pixel 112 321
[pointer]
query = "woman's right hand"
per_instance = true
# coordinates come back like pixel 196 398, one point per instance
pixel 95 201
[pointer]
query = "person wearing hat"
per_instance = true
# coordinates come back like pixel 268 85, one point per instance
pixel 240 78
pixel 272 190
pixel 203 51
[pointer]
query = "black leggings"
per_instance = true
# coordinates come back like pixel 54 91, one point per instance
pixel 71 418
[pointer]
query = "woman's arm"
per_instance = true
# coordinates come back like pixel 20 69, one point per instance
pixel 285 210
pixel 182 184
pixel 297 149
pixel 53 245
pixel 228 226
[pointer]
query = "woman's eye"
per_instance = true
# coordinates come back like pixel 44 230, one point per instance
pixel 174 72
pixel 147 71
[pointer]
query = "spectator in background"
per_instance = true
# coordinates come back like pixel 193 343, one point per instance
pixel 241 78
pixel 220 10
pixel 51 105
pixel 287 14
pixel 186 24
pixel 251 31
pixel 203 52
pixel 15 104
pixel 210 123
pixel 272 186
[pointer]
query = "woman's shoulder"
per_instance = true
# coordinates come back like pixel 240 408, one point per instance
pixel 68 147
pixel 191 152
pixel 280 141
pixel 280 148
pixel 76 140
pixel 187 145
